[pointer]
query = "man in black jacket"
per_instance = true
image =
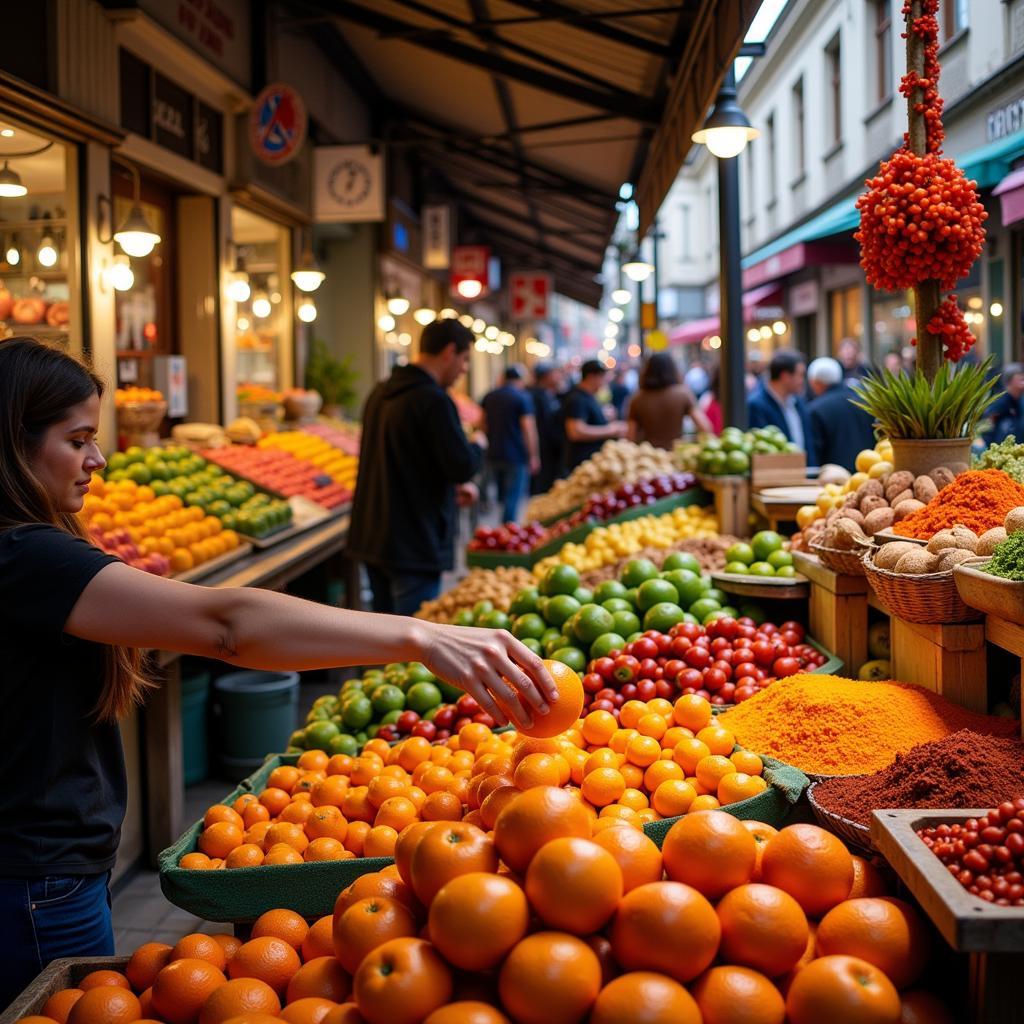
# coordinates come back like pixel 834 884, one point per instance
pixel 412 458
pixel 839 430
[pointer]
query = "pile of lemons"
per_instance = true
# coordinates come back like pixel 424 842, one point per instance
pixel 871 464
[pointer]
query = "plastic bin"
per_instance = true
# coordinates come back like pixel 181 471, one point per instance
pixel 257 713
pixel 195 699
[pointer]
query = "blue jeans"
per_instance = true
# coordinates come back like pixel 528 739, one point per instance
pixel 401 593
pixel 513 478
pixel 47 918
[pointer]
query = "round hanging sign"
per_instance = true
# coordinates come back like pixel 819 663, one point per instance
pixel 277 124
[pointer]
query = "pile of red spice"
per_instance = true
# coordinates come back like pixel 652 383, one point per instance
pixel 966 769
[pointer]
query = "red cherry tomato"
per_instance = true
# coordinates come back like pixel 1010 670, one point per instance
pixel 697 657
pixel 785 667
pixel 764 653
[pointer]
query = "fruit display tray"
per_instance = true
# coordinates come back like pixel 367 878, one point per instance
pixel 64 973
pixel 793 588
pixel 305 515
pixel 528 559
pixel 205 569
pixel 242 894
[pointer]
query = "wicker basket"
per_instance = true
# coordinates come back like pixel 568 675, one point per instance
pixel 931 597
pixel 846 563
pixel 852 832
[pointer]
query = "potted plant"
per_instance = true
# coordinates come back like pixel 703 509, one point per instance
pixel 333 378
pixel 922 228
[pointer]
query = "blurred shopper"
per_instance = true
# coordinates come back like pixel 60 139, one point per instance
pixel 586 426
pixel 547 382
pixel 709 403
pixel 851 357
pixel 839 430
pixel 413 457
pixel 1005 412
pixel 657 410
pixel 778 401
pixel 893 362
pixel 512 450
pixel 620 390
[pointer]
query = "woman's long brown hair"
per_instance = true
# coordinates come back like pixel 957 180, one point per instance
pixel 38 385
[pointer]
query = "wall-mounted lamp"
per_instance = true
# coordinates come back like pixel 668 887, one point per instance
pixel 135 236
pixel 308 276
pixel 306 310
pixel 120 274
pixel 12 254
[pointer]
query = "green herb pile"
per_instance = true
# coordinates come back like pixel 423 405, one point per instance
pixel 1008 557
pixel 1007 456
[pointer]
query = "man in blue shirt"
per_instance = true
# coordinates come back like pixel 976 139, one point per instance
pixel 779 402
pixel 512 440
pixel 586 426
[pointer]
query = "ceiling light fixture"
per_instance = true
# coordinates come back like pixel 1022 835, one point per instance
pixel 469 288
pixel 398 305
pixel 261 306
pixel 424 316
pixel 11 185
pixel 638 270
pixel 621 296
pixel 308 276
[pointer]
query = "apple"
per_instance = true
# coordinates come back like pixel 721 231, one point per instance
pixel 405 721
pixel 428 730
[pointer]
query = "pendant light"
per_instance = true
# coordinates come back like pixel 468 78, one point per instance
pixel 308 276
pixel 11 185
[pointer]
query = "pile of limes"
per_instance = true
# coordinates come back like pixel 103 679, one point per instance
pixel 729 454
pixel 765 555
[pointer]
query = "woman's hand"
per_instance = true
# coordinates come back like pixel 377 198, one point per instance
pixel 493 667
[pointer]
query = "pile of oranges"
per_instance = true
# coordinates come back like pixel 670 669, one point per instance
pixel 133 395
pixel 658 761
pixel 543 921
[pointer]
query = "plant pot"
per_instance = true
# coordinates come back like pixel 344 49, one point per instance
pixel 922 456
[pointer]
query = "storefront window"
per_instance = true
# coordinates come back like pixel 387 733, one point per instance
pixel 892 317
pixel 38 239
pixel 263 328
pixel 845 318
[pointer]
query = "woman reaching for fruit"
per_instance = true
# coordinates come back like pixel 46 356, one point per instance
pixel 75 623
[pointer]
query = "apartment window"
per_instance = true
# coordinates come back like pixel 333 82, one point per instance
pixel 769 134
pixel 834 84
pixel 952 18
pixel 751 182
pixel 883 49
pixel 798 128
pixel 686 227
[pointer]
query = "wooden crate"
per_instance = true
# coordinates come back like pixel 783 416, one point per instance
pixel 65 973
pixel 837 610
pixel 780 470
pixel 1010 637
pixel 948 660
pixel 732 503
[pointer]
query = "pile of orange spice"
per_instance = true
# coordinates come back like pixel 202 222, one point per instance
pixel 978 499
pixel 832 726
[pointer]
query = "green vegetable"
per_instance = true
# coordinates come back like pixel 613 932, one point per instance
pixel 1008 558
pixel 1008 456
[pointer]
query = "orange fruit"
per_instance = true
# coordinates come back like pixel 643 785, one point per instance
pixel 574 885
pixel 638 857
pixel 406 844
pixel 444 806
pixel 377 883
pixel 709 850
pixel 747 761
pixel 705 802
pixel 549 978
pixel 689 752
pixel 812 865
pixel 738 995
pixel 267 958
pixel 663 770
pixel 711 770
pixel 144 965
pixel 199 947
pixel 241 996
pixel 254 814
pixel 181 989
pixel 282 853
pixel 718 740
pixel 220 839
pixel 476 918
pixel 310 1010
pixel 367 924
pixel 537 770
pixel 195 862
pixel 284 777
pixel 402 982
pixel 763 928
pixel 599 727
pixel 692 712
pixel 326 822
pixel 275 800
pixel 534 818
pixel 396 811
pixel 105 1004
pixel 564 712
pixel 643 750
pixel 326 849
pixel 495 803
pixel 323 978
pixel 383 787
pixel 467 1011
pixel 921 1007
pixel 248 855
pixel 221 812
pixel 643 997
pixel 319 940
pixel 58 1006
pixel 449 850
pixel 96 979
pixel 650 919
pixel 286 832
pixel 228 943
pixel 380 841
pixel 841 988
pixel 313 761
pixel 673 796
pixel 603 786
pixel 885 932
pixel 298 812
pixel 739 786
pixel 868 880
pixel 281 924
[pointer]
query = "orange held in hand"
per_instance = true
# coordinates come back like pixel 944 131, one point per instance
pixel 566 710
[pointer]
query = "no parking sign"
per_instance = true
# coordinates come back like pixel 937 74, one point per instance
pixel 277 124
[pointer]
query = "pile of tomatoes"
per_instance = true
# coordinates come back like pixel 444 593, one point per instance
pixel 725 662
pixel 985 855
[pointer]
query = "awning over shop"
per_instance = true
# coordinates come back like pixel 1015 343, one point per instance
pixel 529 115
pixel 758 304
pixel 1011 197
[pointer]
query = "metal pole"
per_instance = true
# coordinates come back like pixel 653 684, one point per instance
pixel 640 312
pixel 654 263
pixel 732 367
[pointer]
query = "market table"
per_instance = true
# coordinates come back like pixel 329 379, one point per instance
pixel 780 504
pixel 160 732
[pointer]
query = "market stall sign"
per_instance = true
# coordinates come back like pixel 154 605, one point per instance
pixel 277 124
pixel 348 184
pixel 528 295
pixel 437 236
pixel 470 263
pixel 1005 120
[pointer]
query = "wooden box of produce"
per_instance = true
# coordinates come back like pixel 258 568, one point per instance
pixel 64 973
pixel 781 470
pixel 242 894
pixel 993 595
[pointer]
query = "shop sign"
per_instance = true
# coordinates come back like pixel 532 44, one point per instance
pixel 437 240
pixel 528 295
pixel 803 298
pixel 348 184
pixel 1005 120
pixel 277 124
pixel 470 263
pixel 172 117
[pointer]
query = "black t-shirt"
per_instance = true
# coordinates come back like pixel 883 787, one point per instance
pixel 64 792
pixel 582 405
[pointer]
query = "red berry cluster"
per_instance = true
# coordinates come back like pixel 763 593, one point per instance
pixel 919 220
pixel 926 27
pixel 985 855
pixel 949 325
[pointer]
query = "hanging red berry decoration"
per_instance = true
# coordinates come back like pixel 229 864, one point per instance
pixel 951 328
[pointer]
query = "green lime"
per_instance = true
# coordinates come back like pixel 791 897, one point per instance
pixel 616 604
pixel 494 620
pixel 779 559
pixel 343 743
pixel 533 645
pixel 391 716
pixel 680 560
pixel 320 734
pixel 116 461
pixel 689 585
pixel 656 591
pixel 386 697
pixel 732 612
pixel 421 697
pixel 626 622
pixel 560 579
pixel 320 714
pixel 787 572
pixel 663 616
pixel 571 656
pixel 549 634
pixel 361 737
pixel 764 543
pixel 140 473
pixel 584 595
pixel 740 552
pixel 737 568
pixel 528 626
pixel 607 642
pixel 482 608
pixel 372 730
pixel 716 595
pixel 762 569
pixel 737 463
pixel 630 596
pixel 560 608
pixel 700 608
pixel 637 571
pixel 298 739
pixel 357 712
pixel 463 618
pixel 524 602
pixel 417 672
pixel 135 454
pixel 718 613
pixel 607 590
pixel 590 622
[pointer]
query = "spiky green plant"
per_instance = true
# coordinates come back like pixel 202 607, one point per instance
pixel 906 406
